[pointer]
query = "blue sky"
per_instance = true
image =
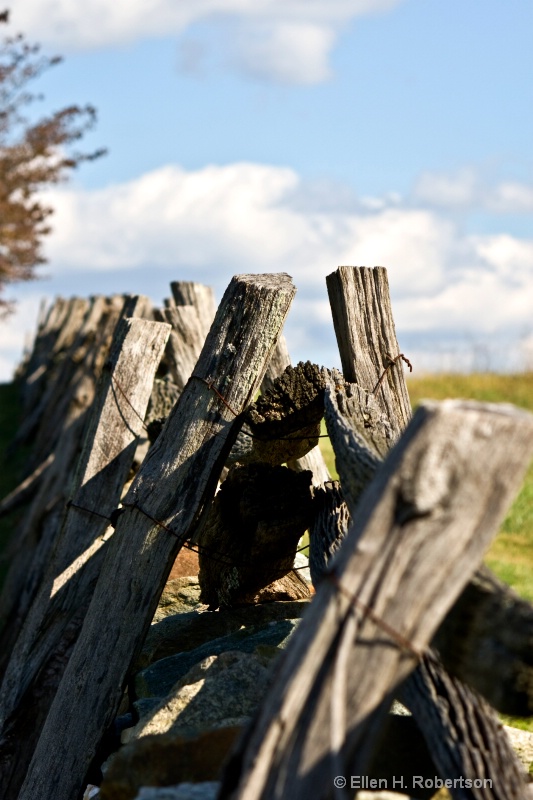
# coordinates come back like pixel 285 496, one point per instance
pixel 296 135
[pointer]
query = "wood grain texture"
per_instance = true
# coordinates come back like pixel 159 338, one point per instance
pixel 488 624
pixel 185 344
pixel 252 531
pixel 56 615
pixel 175 484
pixel 422 526
pixel 464 735
pixel 58 423
pixel 200 297
pixel 366 337
pixel 313 460
pixel 360 442
pixel 284 423
pixel 486 640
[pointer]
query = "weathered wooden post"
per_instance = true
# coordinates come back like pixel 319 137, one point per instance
pixel 162 509
pixel 201 297
pixel 422 526
pixel 364 326
pixel 48 635
pixel 62 417
pixel 190 313
pixel 452 718
pixel 313 460
pixel 32 374
pixel 487 617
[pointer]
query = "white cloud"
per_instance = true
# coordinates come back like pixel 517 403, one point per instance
pixel 287 52
pixel 511 198
pixel 447 190
pixel 468 189
pixel 240 216
pixel 283 40
pixel 218 221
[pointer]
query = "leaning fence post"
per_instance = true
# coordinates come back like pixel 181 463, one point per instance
pixel 162 509
pixel 359 345
pixel 56 615
pixel 422 526
pixel 201 297
pixel 452 718
pixel 61 421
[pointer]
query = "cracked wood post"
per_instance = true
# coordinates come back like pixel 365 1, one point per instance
pixel 364 327
pixel 488 623
pixel 365 293
pixel 422 526
pixel 174 485
pixel 55 618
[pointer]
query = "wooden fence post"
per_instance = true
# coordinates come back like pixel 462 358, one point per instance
pixel 313 460
pixel 451 717
pixel 364 293
pixel 61 418
pixel 201 297
pixel 190 312
pixel 364 326
pixel 422 526
pixel 163 507
pixel 55 618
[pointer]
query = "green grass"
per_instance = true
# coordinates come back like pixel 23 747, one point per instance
pixel 511 554
pixel 327 452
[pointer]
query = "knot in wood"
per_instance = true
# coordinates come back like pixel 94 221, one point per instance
pixel 295 401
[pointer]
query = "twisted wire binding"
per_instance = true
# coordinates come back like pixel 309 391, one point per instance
pixel 330 576
pixel 392 362
pixel 209 552
pixel 397 637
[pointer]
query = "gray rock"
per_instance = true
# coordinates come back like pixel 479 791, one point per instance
pixel 183 791
pixel 178 596
pixel 182 632
pixel 144 705
pixel 221 691
pixel 91 792
pixel 167 760
pixel 158 679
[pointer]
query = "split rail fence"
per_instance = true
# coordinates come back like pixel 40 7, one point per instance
pixel 133 415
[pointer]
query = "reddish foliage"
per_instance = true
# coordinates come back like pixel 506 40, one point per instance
pixel 33 155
